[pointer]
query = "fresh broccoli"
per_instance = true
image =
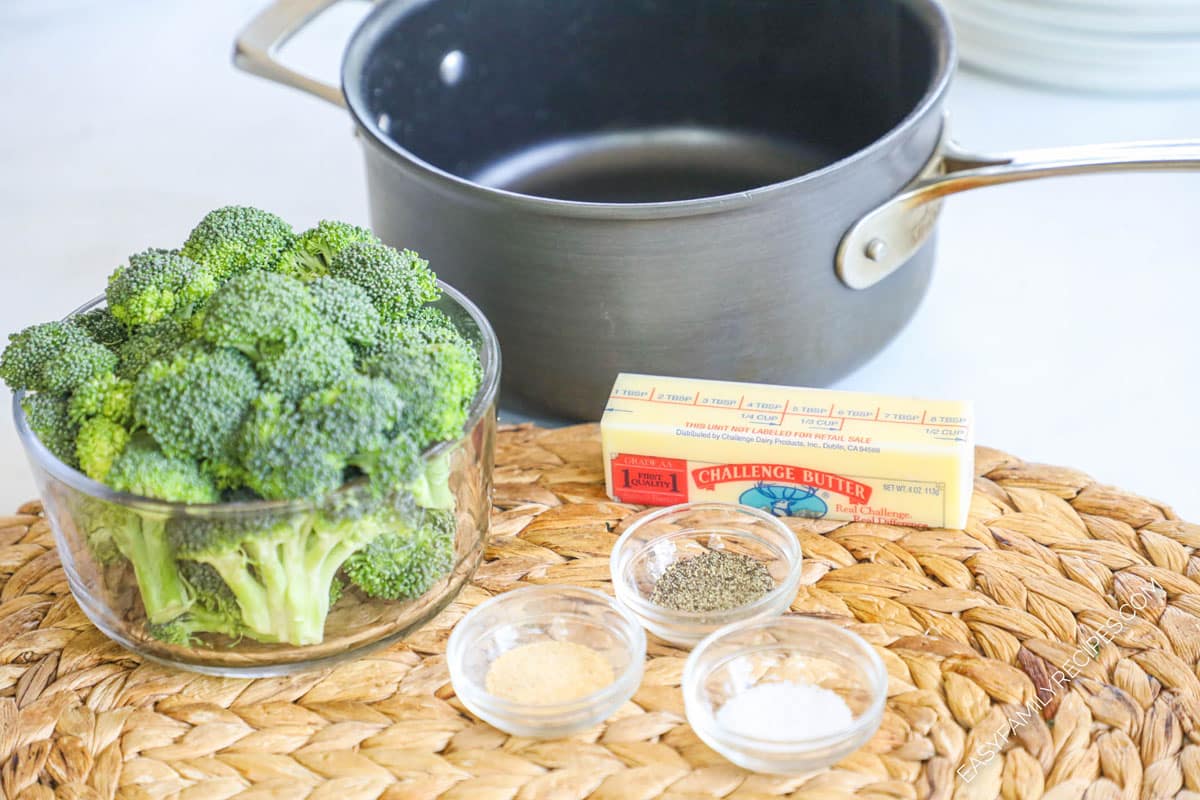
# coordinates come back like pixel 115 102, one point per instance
pixel 151 343
pixel 281 569
pixel 259 313
pixel 235 239
pixel 316 247
pixel 103 327
pixel 309 365
pixel 437 381
pixel 214 608
pixel 254 365
pixel 398 281
pixel 404 562
pixel 284 456
pixel 99 442
pixel 103 395
pixel 53 357
pixel 144 469
pixel 47 417
pixel 358 414
pixel 428 324
pixel 360 418
pixel 157 284
pixel 347 307
pixel 193 404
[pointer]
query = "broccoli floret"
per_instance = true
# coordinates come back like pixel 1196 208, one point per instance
pixel 53 357
pixel 398 282
pixel 283 455
pixel 360 417
pixel 157 284
pixel 151 343
pixel 144 469
pixel 307 366
pixel 235 239
pixel 193 404
pixel 361 414
pixel 437 381
pixel 214 608
pixel 427 324
pixel 407 560
pixel 281 569
pixel 103 327
pixel 48 419
pixel 348 308
pixel 99 443
pixel 259 313
pixel 104 395
pixel 316 247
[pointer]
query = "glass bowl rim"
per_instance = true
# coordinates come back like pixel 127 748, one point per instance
pixel 639 604
pixel 872 666
pixel 633 635
pixel 483 400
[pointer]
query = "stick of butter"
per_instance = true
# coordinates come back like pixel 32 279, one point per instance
pixel 792 452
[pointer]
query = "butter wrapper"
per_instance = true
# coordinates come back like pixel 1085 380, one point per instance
pixel 792 452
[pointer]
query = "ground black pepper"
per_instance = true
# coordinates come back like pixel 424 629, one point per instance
pixel 715 581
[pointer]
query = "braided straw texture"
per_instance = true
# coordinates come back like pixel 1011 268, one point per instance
pixel 971 624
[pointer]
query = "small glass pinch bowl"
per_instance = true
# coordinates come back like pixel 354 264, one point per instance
pixel 653 543
pixel 796 649
pixel 541 614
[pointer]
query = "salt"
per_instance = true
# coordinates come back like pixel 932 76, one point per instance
pixel 785 711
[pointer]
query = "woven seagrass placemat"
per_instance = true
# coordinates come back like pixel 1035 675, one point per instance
pixel 1060 592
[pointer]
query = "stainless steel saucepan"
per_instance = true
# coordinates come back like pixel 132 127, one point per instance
pixel 733 189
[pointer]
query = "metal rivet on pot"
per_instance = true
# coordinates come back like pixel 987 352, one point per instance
pixel 876 249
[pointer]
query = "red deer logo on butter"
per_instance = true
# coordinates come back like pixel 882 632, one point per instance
pixel 708 477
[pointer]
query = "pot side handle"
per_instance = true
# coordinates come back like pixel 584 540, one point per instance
pixel 258 44
pixel 883 240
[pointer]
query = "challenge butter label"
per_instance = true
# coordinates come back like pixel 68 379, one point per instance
pixel 792 452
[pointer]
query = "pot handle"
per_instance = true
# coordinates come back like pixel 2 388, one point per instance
pixel 883 240
pixel 259 42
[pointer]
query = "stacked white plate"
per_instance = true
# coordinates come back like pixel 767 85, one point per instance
pixel 1096 45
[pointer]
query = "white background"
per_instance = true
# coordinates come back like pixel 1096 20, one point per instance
pixel 1069 311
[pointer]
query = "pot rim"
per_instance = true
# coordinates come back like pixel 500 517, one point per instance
pixel 381 19
pixel 481 404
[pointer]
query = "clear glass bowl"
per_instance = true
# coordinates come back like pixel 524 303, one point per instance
pixel 656 541
pixel 538 614
pixel 793 648
pixel 108 592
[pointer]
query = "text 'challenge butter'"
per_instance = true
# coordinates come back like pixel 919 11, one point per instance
pixel 793 452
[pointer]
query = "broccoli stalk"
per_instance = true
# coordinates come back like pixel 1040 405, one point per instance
pixel 143 469
pixel 281 572
pixel 431 488
pixel 143 542
pixel 113 530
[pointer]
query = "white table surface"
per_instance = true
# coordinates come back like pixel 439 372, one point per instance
pixel 1069 310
